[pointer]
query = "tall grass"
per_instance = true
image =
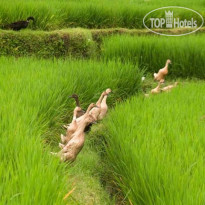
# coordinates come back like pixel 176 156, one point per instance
pixel 57 14
pixel 151 52
pixel 155 147
pixel 34 104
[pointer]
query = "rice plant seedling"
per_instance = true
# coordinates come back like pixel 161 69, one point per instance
pixel 34 105
pixel 187 53
pixel 155 147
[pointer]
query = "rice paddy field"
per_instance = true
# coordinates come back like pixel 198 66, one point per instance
pixel 156 146
pixel 149 51
pixel 34 106
pixel 148 150
pixel 57 14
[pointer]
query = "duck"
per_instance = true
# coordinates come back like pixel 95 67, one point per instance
pixel 71 150
pixel 80 111
pixel 169 87
pixel 157 89
pixel 95 112
pixel 160 76
pixel 103 105
pixel 71 128
pixel 17 26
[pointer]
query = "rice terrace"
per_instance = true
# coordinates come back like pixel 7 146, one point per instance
pixel 102 102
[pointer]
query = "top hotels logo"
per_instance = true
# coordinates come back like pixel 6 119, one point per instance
pixel 170 21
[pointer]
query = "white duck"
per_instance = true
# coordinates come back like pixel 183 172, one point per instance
pixel 169 87
pixel 71 128
pixel 156 90
pixel 103 105
pixel 80 111
pixel 70 151
pixel 95 112
pixel 160 76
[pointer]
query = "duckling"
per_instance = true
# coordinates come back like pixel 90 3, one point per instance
pixel 169 87
pixel 70 151
pixel 103 105
pixel 17 26
pixel 71 128
pixel 156 90
pixel 162 72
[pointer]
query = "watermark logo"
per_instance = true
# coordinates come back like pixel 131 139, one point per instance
pixel 166 18
pixel 172 22
pixel 169 19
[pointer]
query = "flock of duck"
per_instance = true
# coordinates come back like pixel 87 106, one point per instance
pixel 73 142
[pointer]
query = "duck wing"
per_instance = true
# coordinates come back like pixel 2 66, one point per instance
pixel 80 113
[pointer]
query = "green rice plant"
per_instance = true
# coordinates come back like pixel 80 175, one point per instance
pixel 75 42
pixel 155 147
pixel 57 14
pixel 34 106
pixel 187 53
